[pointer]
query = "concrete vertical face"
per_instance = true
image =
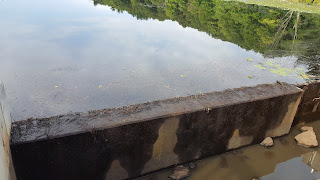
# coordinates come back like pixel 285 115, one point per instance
pixel 309 108
pixel 131 141
pixel 6 168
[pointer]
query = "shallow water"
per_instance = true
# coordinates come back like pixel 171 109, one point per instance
pixel 285 160
pixel 79 55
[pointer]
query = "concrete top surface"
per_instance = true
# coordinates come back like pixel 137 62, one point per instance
pixel 70 124
pixel 61 56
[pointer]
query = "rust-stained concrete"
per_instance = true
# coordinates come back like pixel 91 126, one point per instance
pixel 6 167
pixel 131 141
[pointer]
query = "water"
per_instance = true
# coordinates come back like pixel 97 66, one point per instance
pixel 79 55
pixel 284 161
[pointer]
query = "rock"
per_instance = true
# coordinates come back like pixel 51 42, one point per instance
pixel 179 172
pixel 255 178
pixel 307 139
pixel 267 142
pixel 306 128
pixel 192 165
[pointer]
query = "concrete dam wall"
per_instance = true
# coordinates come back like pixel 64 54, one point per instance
pixel 6 166
pixel 309 108
pixel 131 141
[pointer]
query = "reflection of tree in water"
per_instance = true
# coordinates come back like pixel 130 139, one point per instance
pixel 281 29
pixel 311 57
pixel 252 27
pixel 162 5
pixel 306 49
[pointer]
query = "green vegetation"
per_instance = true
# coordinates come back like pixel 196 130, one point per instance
pixel 277 69
pixel 306 6
pixel 267 30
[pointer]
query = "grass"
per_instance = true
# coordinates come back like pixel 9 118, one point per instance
pixel 294 6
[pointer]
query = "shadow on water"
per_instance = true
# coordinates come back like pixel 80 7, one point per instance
pixel 285 160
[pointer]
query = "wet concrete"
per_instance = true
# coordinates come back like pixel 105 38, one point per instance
pixel 77 57
pixel 309 108
pixel 285 160
pixel 131 141
pixel 6 166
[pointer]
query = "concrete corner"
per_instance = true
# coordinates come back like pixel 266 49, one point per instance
pixel 6 166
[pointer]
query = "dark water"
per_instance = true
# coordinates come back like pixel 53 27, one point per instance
pixel 284 161
pixel 79 55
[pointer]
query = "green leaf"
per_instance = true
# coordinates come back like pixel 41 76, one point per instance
pixel 287 69
pixel 279 71
pixel 249 59
pixel 269 63
pixel 260 67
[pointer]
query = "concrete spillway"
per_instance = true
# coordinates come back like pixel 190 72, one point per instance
pixel 138 69
pixel 131 141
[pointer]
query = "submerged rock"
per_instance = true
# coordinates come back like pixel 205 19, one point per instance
pixel 306 128
pixel 179 172
pixel 283 141
pixel 192 165
pixel 267 142
pixel 255 178
pixel 307 139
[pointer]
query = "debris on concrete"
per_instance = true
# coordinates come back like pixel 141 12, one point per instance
pixel 255 178
pixel 179 172
pixel 307 139
pixel 306 128
pixel 267 142
pixel 192 165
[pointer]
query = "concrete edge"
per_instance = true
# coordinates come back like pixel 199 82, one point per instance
pixel 77 123
pixel 7 116
pixel 6 165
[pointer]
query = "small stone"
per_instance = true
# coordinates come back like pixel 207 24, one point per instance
pixel 306 128
pixel 267 142
pixel 307 139
pixel 255 178
pixel 179 172
pixel 192 165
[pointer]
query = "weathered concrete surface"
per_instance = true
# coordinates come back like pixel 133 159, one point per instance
pixel 6 167
pixel 130 141
pixel 309 108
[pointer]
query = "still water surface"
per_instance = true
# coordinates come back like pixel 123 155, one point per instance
pixel 284 161
pixel 79 55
